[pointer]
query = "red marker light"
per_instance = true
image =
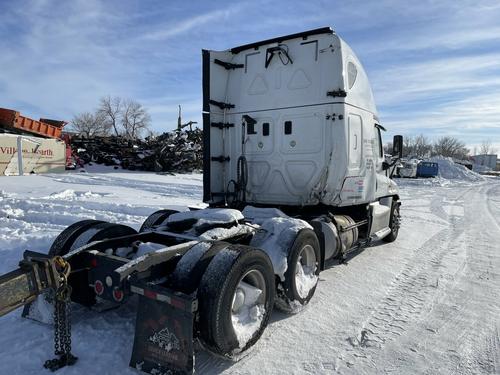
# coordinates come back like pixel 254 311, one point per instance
pixel 98 287
pixel 118 295
pixel 93 263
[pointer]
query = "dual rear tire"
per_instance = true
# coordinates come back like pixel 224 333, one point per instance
pixel 84 232
pixel 237 289
pixel 235 309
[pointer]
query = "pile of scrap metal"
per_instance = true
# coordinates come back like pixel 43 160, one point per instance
pixel 177 151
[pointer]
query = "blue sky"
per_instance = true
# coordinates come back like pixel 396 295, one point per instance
pixel 434 65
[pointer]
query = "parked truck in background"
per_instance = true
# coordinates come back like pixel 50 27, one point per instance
pixel 294 178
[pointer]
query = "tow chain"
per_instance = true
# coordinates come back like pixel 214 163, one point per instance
pixel 62 322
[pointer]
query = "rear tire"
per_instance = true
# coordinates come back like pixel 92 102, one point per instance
pixel 190 269
pixel 301 276
pixel 155 219
pixel 82 293
pixel 80 234
pixel 394 223
pixel 229 299
pixel 63 242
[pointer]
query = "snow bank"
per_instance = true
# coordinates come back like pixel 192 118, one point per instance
pixel 450 170
pixel 70 194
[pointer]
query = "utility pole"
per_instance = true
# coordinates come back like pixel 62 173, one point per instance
pixel 180 125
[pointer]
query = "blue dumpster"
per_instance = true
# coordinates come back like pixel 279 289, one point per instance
pixel 427 169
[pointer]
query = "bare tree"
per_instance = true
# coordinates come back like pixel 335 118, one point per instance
pixel 90 124
pixel 422 147
pixel 110 109
pixel 486 148
pixel 450 147
pixel 135 118
pixel 388 148
pixel 408 146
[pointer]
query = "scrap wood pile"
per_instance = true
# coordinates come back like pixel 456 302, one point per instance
pixel 177 151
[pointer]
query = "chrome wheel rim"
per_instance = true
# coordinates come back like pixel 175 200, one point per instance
pixel 396 221
pixel 248 302
pixel 305 268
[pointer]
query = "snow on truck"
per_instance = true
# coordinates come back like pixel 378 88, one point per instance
pixel 294 176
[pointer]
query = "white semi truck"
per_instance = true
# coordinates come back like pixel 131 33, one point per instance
pixel 294 177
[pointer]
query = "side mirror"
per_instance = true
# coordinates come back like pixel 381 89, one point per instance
pixel 397 146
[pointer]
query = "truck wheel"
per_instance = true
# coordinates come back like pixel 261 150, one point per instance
pixel 103 231
pixel 84 232
pixel 394 223
pixel 156 218
pixel 236 297
pixel 65 239
pixel 301 276
pixel 190 269
pixel 88 231
pixel 61 246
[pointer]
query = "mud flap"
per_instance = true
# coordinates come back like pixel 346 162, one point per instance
pixel 163 342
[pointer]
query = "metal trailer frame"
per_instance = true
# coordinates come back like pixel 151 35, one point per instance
pixel 171 312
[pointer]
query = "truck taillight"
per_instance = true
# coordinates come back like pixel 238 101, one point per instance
pixel 98 287
pixel 118 295
pixel 150 294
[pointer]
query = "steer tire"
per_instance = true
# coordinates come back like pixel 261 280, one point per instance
pixel 289 297
pixel 155 219
pixel 393 223
pixel 216 294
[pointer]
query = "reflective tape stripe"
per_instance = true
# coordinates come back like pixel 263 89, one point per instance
pixel 137 290
pixel 158 297
pixel 161 297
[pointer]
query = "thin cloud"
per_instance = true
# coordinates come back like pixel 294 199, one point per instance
pixel 171 30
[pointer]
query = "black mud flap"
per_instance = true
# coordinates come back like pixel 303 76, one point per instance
pixel 163 342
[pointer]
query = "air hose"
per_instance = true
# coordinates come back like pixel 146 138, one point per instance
pixel 241 178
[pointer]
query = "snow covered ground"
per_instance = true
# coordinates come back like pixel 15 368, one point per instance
pixel 427 303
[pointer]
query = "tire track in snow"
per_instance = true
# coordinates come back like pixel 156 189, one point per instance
pixel 404 300
pixel 461 314
pixel 493 191
pixel 479 348
pixel 494 349
pixel 412 291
